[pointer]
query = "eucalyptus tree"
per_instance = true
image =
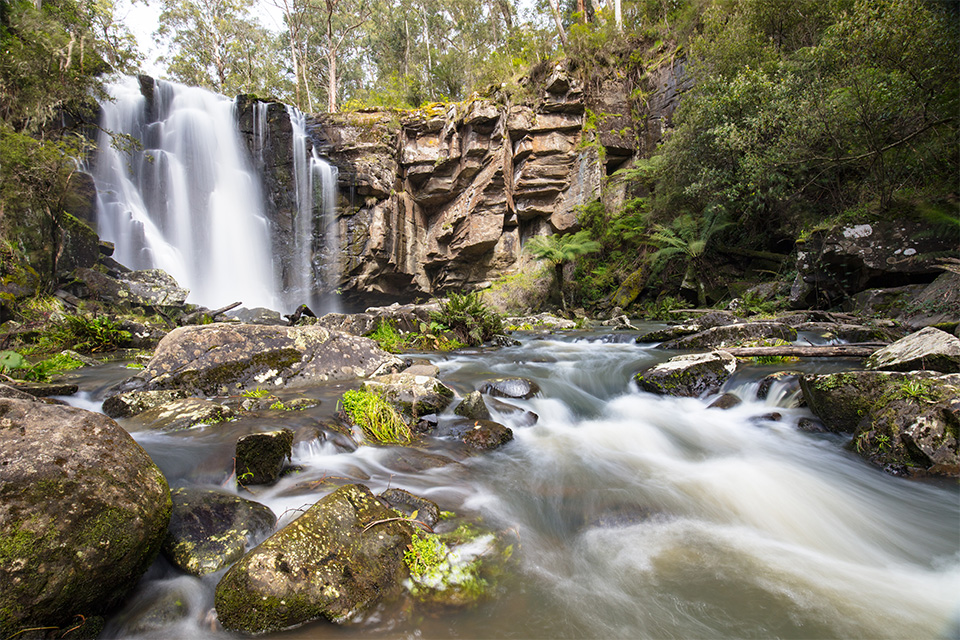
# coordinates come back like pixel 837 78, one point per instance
pixel 218 44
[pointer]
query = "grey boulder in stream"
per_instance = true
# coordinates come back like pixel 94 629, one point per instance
pixel 333 562
pixel 225 358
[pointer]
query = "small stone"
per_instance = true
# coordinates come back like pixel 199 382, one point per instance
pixel 260 456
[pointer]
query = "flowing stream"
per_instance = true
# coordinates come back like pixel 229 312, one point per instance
pixel 632 515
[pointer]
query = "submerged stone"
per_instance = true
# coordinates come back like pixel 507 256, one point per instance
pixel 210 529
pixel 518 388
pixel 473 407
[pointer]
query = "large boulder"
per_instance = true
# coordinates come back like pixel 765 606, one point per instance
pixel 224 359
pixel 150 287
pixel 183 414
pixel 688 376
pixel 929 348
pixel 836 264
pixel 83 512
pixel 209 529
pixel 335 561
pixel 131 403
pixel 905 422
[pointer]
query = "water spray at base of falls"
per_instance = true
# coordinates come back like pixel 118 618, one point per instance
pixel 182 193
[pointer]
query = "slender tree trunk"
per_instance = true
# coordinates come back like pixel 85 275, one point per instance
pixel 331 79
pixel 618 14
pixel 558 270
pixel 555 10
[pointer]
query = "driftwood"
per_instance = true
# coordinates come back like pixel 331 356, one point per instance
pixel 854 350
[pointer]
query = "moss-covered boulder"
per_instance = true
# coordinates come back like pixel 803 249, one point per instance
pixel 905 422
pixel 335 561
pixel 688 376
pixel 930 348
pixel 260 456
pixel 732 335
pixel 412 394
pixel 83 511
pixel 224 359
pixel 209 529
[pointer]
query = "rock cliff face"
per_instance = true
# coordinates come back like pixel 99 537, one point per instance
pixel 444 197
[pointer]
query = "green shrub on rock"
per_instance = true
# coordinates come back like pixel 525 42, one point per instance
pixel 376 417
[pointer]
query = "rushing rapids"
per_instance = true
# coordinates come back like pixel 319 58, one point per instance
pixel 179 190
pixel 632 515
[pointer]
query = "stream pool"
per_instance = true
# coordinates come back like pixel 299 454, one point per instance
pixel 631 515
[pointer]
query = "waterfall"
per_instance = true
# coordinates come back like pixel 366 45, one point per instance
pixel 315 275
pixel 181 194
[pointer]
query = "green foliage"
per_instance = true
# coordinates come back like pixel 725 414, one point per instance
pixel 558 250
pixel 11 360
pixel 100 333
pixel 378 420
pixel 17 366
pixel 387 336
pixel 424 554
pixel 468 318
pixel 255 393
pixel 688 238
pixel 660 309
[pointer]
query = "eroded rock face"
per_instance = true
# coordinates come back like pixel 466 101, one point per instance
pixel 688 376
pixel 83 511
pixel 928 348
pixel 322 565
pixel 209 529
pixel 905 422
pixel 224 359
pixel 733 334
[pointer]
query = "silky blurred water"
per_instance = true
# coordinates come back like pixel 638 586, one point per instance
pixel 632 515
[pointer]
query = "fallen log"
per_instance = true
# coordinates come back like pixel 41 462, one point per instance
pixel 197 316
pixel 857 350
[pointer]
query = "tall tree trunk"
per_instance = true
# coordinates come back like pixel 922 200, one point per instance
pixel 558 270
pixel 555 10
pixel 331 79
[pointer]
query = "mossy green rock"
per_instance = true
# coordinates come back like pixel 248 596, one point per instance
pixel 260 456
pixel 83 511
pixel 688 376
pixel 333 562
pixel 183 413
pixel 906 423
pixel 224 359
pixel 412 394
pixel 209 529
pixel 628 291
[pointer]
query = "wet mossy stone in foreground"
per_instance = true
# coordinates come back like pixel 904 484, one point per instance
pixel 83 511
pixel 334 562
pixel 260 456
pixel 209 529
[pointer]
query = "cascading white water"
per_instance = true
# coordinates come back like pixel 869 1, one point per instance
pixel 315 275
pixel 188 201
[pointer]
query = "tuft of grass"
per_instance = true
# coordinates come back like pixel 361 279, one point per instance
pixel 376 417
pixel 387 336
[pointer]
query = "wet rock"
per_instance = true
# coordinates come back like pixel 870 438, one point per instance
pixel 851 332
pixel 473 407
pixel 183 414
pixel 936 304
pixel 734 334
pixel 904 422
pixel 689 376
pixel 773 416
pixel 726 401
pixel 518 416
pixel 504 341
pixel 210 529
pixel 260 456
pixel 427 510
pixel 412 394
pixel 334 562
pixel 540 321
pixel 223 359
pixel 486 435
pixel 258 315
pixel 6 391
pixel 125 405
pixel 357 324
pixel 422 369
pixel 407 460
pixel 811 425
pixel 426 423
pixel 928 348
pixel 83 511
pixel 518 388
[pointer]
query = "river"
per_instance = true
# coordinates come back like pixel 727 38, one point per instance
pixel 631 515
